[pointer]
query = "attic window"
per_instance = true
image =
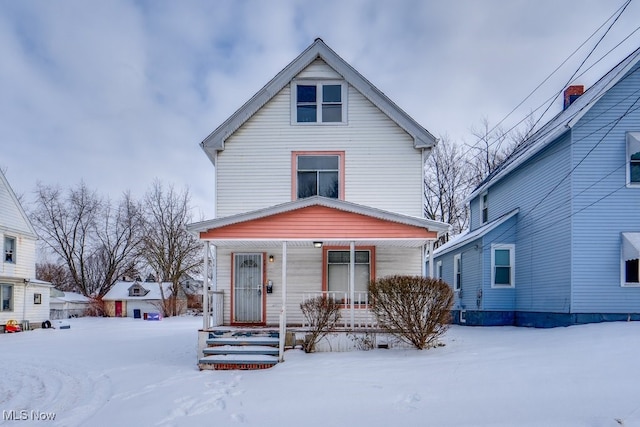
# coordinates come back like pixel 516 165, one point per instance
pixel 10 249
pixel 633 156
pixel 318 102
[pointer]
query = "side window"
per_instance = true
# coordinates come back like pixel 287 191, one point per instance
pixel 502 265
pixel 457 272
pixel 630 259
pixel 633 157
pixel 484 207
pixel 10 249
pixel 439 270
pixel 6 297
pixel 318 102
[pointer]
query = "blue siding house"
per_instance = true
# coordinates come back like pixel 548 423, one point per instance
pixel 554 236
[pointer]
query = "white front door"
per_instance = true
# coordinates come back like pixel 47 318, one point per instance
pixel 247 289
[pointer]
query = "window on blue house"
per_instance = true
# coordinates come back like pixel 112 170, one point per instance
pixel 439 270
pixel 631 259
pixel 457 272
pixel 484 207
pixel 502 265
pixel 633 156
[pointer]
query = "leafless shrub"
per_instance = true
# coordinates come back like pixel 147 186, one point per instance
pixel 322 314
pixel 415 309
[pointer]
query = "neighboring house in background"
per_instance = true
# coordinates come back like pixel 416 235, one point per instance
pixel 22 297
pixel 135 299
pixel 554 235
pixel 318 190
pixel 64 305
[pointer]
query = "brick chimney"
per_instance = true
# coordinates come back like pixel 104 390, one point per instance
pixel 571 94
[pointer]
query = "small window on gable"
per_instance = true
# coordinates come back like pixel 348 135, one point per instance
pixel 457 272
pixel 502 265
pixel 484 206
pixel 633 157
pixel 319 102
pixel 10 249
pixel 630 259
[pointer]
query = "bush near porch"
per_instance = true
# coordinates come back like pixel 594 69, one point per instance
pixel 415 309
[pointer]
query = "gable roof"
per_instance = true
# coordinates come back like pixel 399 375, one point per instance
pixel 561 123
pixel 299 204
pixel 13 210
pixel 318 49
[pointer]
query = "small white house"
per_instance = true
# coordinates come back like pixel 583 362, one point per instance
pixel 22 297
pixel 135 299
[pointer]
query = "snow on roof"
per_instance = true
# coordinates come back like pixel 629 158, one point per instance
pixel 120 291
pixel 71 297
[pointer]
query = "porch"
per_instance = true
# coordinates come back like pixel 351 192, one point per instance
pixel 262 265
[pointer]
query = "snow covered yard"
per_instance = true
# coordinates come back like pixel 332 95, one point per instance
pixel 126 372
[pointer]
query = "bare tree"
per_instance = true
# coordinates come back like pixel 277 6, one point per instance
pixel 446 186
pixel 94 241
pixel 55 274
pixel 168 248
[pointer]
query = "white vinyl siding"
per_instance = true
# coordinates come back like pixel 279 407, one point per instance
pixel 382 167
pixel 304 274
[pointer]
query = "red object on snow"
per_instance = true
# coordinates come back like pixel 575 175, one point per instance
pixel 12 326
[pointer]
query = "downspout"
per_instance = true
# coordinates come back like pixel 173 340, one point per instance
pixel 24 300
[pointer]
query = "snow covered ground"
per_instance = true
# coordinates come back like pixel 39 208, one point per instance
pixel 126 372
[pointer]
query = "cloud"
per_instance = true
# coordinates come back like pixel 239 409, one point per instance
pixel 118 93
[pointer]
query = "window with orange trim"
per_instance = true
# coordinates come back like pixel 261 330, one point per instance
pixel 318 174
pixel 338 270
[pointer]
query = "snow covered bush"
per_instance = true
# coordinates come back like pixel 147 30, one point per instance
pixel 322 314
pixel 415 309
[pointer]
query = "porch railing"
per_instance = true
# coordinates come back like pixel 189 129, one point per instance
pixel 353 314
pixel 215 316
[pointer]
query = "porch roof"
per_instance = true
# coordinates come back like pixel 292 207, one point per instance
pixel 319 219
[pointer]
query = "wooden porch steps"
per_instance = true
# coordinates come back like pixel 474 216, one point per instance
pixel 240 349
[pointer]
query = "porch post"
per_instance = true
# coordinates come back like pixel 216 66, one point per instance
pixel 283 311
pixel 431 258
pixel 352 280
pixel 205 288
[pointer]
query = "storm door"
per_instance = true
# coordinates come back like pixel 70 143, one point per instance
pixel 247 296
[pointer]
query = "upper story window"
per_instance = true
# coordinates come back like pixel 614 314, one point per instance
pixel 10 249
pixel 484 207
pixel 319 102
pixel 502 265
pixel 457 272
pixel 318 174
pixel 633 157
pixel 630 259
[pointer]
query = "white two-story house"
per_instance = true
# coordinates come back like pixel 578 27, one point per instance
pixel 318 191
pixel 23 299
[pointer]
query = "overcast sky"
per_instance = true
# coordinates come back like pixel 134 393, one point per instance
pixel 117 93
